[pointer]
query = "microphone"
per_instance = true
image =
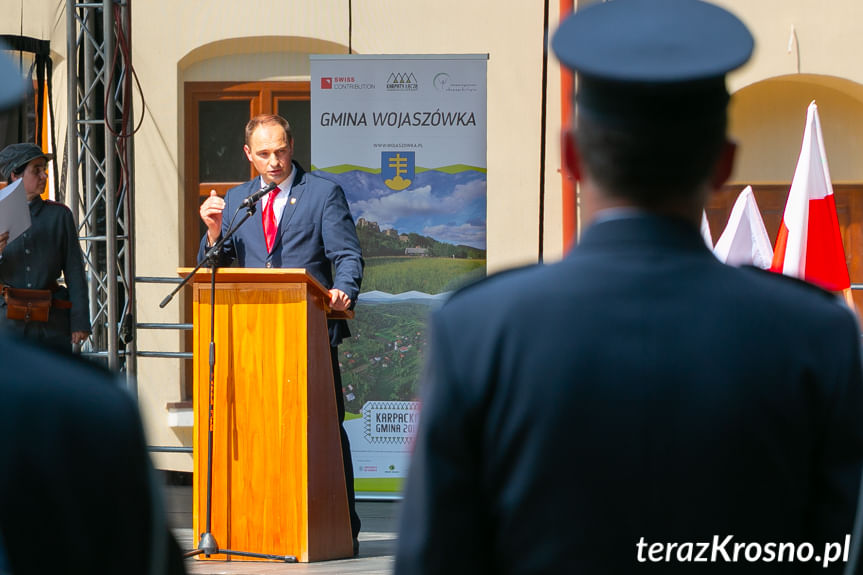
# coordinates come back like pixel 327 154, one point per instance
pixel 253 198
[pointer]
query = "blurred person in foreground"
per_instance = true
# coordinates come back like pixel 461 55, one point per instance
pixel 31 264
pixel 77 490
pixel 633 406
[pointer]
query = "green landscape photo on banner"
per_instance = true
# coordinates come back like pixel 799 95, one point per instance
pixel 408 272
pixel 405 138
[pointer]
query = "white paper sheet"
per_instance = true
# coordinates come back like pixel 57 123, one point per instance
pixel 14 212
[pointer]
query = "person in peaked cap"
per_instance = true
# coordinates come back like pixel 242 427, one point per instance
pixel 639 406
pixel 36 259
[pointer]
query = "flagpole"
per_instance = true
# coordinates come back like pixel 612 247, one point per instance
pixel 849 299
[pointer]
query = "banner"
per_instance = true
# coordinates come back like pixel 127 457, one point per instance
pixel 405 137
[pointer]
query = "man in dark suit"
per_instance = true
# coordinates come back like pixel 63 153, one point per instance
pixel 305 222
pixel 77 491
pixel 639 405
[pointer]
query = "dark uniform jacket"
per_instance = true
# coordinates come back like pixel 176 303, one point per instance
pixel 637 389
pixel 316 232
pixel 48 250
pixel 77 492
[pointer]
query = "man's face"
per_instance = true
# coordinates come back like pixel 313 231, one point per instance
pixel 33 178
pixel 270 152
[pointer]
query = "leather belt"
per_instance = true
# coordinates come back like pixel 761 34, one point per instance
pixel 57 303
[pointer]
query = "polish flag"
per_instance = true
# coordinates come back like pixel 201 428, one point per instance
pixel 809 245
pixel 744 240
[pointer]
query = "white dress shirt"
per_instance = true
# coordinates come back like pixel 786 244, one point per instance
pixel 281 198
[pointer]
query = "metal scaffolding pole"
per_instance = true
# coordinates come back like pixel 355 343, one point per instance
pixel 100 171
pixel 110 162
pixel 128 327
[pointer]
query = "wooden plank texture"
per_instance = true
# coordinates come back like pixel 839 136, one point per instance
pixel 275 427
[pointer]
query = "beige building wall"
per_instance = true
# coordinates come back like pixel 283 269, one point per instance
pixel 42 19
pixel 768 119
pixel 804 51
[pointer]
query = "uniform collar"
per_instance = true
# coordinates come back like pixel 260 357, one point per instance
pixel 36 205
pixel 645 229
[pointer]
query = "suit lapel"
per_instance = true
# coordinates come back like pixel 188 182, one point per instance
pixel 257 220
pixel 297 191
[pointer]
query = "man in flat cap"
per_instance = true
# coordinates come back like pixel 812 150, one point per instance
pixel 639 405
pixel 31 264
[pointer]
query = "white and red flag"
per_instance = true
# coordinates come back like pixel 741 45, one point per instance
pixel 744 240
pixel 809 243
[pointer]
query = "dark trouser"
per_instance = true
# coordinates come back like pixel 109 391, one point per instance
pixel 346 445
pixel 54 333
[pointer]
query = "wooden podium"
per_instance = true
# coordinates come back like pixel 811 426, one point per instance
pixel 278 478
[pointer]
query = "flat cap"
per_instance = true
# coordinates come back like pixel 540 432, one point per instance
pixel 639 58
pixel 16 156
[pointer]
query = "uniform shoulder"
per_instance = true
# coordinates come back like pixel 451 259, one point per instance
pixel 505 280
pixel 58 205
pixel 792 297
pixel 51 371
pixel 788 282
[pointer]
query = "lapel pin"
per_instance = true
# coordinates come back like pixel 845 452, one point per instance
pixel 293 201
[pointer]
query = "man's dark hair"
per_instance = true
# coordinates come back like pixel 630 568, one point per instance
pixel 262 119
pixel 16 174
pixel 651 165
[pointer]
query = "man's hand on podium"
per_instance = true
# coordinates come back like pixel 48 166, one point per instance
pixel 339 300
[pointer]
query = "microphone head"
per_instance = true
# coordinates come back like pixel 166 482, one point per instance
pixel 254 197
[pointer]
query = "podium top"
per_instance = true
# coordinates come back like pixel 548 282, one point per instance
pixel 268 275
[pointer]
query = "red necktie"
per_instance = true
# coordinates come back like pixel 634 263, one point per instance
pixel 270 224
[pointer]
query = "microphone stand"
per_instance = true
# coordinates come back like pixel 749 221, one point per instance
pixel 207 544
